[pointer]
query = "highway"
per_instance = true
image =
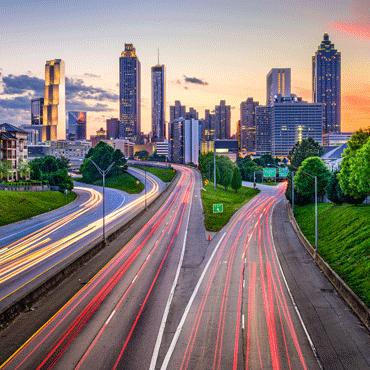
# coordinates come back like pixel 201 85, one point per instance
pixel 33 249
pixel 170 299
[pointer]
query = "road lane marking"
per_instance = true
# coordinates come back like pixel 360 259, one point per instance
pixel 243 322
pixel 169 301
pixel 187 309
pixel 110 316
pixel 292 299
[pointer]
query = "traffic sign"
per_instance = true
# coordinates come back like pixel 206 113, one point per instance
pixel 283 172
pixel 269 172
pixel 218 208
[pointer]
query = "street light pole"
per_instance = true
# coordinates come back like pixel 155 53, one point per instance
pixel 145 186
pixel 293 192
pixel 103 173
pixel 316 213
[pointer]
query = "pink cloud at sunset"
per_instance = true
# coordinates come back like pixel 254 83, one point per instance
pixel 354 29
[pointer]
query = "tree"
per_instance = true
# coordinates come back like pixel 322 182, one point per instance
pixel 103 155
pixel 226 179
pixel 5 167
pixel 35 172
pixel 360 169
pixel 236 181
pixel 333 190
pixel 347 180
pixel 304 180
pixel 142 155
pixel 23 169
pixel 305 149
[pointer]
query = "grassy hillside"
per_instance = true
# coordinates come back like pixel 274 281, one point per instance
pixel 231 203
pixel 165 174
pixel 20 205
pixel 343 241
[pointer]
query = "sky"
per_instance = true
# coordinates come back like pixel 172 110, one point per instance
pixel 212 50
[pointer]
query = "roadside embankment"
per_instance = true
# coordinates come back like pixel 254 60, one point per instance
pixel 352 299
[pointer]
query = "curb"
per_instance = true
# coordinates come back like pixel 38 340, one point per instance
pixel 359 307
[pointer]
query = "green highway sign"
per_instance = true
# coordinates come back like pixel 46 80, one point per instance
pixel 218 208
pixel 283 172
pixel 269 172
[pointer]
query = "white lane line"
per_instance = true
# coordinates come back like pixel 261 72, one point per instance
pixel 110 316
pixel 134 279
pixel 243 284
pixel 169 301
pixel 187 309
pixel 291 296
pixel 243 322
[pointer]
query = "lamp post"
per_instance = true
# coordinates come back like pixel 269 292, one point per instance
pixel 103 173
pixel 145 186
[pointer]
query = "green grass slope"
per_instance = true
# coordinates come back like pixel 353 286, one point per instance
pixel 20 205
pixel 343 241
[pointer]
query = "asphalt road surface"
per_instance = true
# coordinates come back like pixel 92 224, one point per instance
pixel 33 249
pixel 248 299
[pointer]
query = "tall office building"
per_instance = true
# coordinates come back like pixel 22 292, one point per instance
pixel 112 128
pixel 37 109
pixel 177 111
pixel 326 76
pixel 263 130
pixel 184 141
pixel 192 114
pixel 293 121
pixel 208 129
pixel 54 112
pixel 76 129
pixel 278 82
pixel 129 94
pixel 158 103
pixel 247 128
pixel 222 120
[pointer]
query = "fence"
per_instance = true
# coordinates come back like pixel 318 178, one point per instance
pixel 9 187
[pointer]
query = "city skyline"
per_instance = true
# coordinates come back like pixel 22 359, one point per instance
pixel 217 52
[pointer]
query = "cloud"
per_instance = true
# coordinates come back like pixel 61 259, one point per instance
pixel 359 25
pixel 186 88
pixel 194 80
pixel 76 89
pixel 17 85
pixel 91 75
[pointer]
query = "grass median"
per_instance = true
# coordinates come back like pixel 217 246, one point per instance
pixel 124 181
pixel 165 174
pixel 230 200
pixel 343 241
pixel 20 205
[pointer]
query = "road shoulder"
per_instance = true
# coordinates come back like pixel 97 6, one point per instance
pixel 341 340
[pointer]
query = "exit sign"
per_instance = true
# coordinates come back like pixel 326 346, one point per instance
pixel 218 208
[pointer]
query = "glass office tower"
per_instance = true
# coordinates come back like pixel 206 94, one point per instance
pixel 326 76
pixel 158 103
pixel 129 94
pixel 76 129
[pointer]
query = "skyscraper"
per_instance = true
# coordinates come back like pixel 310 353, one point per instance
pixel 177 111
pixel 158 103
pixel 247 125
pixel 222 120
pixel 326 76
pixel 129 94
pixel 54 120
pixel 208 126
pixel 278 82
pixel 112 128
pixel 76 126
pixel 37 109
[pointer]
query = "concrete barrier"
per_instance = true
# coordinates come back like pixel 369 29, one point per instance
pixel 359 307
pixel 29 298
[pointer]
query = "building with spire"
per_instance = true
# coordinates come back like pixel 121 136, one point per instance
pixel 326 84
pixel 129 94
pixel 158 102
pixel 54 111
